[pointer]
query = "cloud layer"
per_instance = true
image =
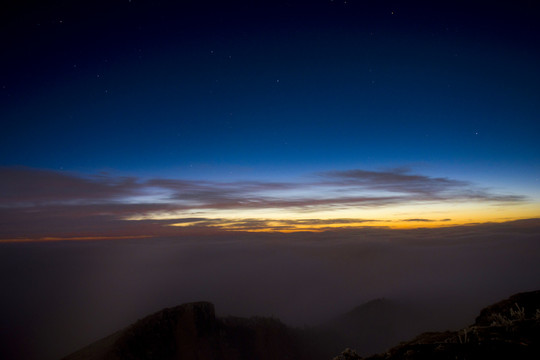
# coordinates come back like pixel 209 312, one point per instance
pixel 42 202
pixel 82 291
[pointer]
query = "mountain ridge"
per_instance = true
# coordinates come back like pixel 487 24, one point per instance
pixel 192 331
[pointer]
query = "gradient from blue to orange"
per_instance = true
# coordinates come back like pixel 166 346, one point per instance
pixel 278 94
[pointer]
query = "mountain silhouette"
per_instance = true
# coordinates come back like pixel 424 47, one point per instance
pixel 374 326
pixel 507 329
pixel 192 331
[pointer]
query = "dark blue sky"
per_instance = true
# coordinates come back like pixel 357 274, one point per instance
pixel 278 90
pixel 135 84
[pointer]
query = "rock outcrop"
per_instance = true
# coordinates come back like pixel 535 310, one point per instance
pixel 192 332
pixel 509 329
pixel 348 354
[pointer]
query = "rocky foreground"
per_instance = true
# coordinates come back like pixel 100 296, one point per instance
pixel 509 329
pixel 192 331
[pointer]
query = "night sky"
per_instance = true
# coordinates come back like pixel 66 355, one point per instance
pixel 384 111
pixel 138 121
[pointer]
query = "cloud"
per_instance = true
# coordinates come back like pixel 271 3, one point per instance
pixel 284 225
pixel 425 220
pixel 35 201
pixel 353 188
pixel 418 220
pixel 28 187
pixel 301 278
pixel 398 180
pixel 420 187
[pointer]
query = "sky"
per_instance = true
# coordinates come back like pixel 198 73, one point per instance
pixel 225 113
pixel 180 128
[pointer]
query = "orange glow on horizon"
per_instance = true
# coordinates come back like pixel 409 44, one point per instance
pixel 284 226
pixel 272 226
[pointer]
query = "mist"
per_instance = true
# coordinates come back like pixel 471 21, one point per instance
pixel 60 296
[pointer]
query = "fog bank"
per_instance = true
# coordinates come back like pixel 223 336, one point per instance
pixel 60 296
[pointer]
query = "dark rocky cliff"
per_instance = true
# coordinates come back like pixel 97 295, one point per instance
pixel 509 329
pixel 192 332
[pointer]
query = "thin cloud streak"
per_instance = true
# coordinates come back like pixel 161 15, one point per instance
pixel 397 180
pixel 425 220
pixel 279 225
